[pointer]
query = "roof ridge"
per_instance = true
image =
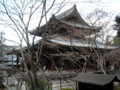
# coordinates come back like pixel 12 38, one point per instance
pixel 72 14
pixel 62 15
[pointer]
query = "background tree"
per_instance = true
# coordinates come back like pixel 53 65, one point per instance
pixel 117 27
pixel 102 19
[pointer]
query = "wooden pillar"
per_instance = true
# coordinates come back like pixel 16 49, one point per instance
pixel 60 84
pixel 12 60
pixel 17 61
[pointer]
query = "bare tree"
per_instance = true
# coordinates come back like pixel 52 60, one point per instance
pixel 18 15
pixel 102 19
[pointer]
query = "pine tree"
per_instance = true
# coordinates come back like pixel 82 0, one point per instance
pixel 117 26
pixel 117 20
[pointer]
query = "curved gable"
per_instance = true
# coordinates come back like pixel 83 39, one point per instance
pixel 72 15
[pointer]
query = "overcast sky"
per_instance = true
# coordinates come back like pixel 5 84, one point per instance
pixel 84 7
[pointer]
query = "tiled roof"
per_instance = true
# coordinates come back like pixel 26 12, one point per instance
pixel 70 18
pixel 72 12
pixel 95 79
pixel 79 42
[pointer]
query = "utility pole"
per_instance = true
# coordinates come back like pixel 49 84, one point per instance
pixel 2 40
